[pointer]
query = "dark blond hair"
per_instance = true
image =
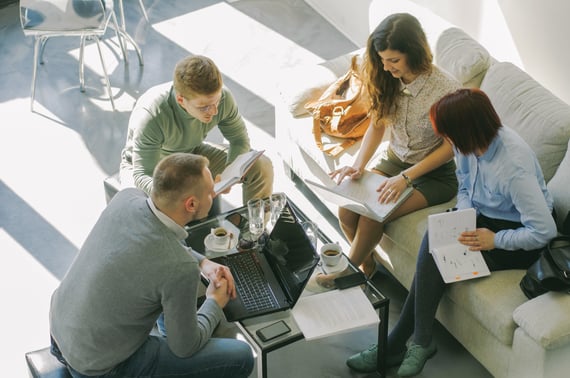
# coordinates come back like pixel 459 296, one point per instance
pixel 177 176
pixel 196 75
pixel 401 32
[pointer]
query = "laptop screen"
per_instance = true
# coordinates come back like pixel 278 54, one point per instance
pixel 290 254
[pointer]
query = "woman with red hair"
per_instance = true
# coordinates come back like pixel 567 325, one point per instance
pixel 500 177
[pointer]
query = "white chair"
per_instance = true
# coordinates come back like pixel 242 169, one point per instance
pixel 143 10
pixel 123 28
pixel 87 19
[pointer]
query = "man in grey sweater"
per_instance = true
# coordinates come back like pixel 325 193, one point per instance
pixel 134 266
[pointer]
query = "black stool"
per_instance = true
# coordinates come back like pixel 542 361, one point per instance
pixel 43 364
pixel 112 185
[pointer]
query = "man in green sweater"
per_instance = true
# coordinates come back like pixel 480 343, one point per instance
pixel 133 266
pixel 177 117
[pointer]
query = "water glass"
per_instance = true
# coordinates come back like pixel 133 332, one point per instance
pixel 312 232
pixel 256 217
pixel 277 202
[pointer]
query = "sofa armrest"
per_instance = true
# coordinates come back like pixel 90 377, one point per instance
pixel 545 319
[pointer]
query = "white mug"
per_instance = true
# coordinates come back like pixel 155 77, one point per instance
pixel 220 237
pixel 331 253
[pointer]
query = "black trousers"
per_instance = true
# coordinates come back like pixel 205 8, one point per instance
pixel 499 259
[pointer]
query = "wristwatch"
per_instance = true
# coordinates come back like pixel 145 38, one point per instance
pixel 408 180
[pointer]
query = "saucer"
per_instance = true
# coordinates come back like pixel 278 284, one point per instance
pixel 342 265
pixel 209 244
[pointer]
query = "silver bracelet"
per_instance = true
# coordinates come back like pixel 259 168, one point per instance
pixel 408 180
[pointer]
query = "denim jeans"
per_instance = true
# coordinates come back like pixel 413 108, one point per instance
pixel 218 358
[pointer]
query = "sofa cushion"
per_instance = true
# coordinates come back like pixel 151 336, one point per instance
pixel 491 300
pixel 535 113
pixel 462 56
pixel 545 319
pixel 558 187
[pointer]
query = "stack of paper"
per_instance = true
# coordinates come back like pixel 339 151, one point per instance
pixel 334 312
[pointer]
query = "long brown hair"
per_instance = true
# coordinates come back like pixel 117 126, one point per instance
pixel 401 32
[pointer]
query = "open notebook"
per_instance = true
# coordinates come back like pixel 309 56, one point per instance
pixel 359 195
pixel 454 260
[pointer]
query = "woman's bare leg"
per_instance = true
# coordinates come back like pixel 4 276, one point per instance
pixel 364 234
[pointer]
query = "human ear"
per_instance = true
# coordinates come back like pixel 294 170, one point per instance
pixel 180 99
pixel 190 204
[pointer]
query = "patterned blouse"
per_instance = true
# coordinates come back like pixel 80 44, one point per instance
pixel 412 137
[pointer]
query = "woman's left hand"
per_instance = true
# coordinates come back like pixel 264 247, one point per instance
pixel 391 189
pixel 482 239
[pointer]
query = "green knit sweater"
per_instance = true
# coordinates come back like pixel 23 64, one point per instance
pixel 159 126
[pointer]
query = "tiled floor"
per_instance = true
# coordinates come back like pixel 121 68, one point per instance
pixel 54 160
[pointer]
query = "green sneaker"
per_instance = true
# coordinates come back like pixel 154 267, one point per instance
pixel 415 359
pixel 365 361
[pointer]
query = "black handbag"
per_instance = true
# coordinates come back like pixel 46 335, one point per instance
pixel 551 272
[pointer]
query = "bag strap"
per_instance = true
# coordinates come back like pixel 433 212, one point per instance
pixel 560 258
pixel 335 149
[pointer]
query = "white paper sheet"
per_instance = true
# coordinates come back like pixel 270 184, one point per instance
pixel 334 312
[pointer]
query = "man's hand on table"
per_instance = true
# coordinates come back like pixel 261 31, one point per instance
pixel 219 276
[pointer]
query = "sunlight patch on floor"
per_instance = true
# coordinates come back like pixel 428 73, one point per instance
pixel 207 31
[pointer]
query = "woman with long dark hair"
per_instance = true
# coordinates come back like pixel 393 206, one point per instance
pixel 402 84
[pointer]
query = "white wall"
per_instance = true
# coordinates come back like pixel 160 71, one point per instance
pixel 533 34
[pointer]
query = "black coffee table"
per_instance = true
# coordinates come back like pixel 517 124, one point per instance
pixel 236 221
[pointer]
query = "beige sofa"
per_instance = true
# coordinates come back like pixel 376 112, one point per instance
pixel 510 335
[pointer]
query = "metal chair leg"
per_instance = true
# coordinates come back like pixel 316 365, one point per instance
pixel 43 40
pixel 143 10
pixel 81 66
pixel 106 75
pixel 122 29
pixel 37 43
pixel 119 34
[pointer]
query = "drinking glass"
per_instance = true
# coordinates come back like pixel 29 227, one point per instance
pixel 312 231
pixel 256 217
pixel 277 202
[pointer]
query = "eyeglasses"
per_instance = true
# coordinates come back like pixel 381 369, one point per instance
pixel 207 108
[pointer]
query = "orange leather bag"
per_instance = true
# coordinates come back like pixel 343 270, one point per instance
pixel 342 111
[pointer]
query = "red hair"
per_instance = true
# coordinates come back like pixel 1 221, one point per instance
pixel 467 118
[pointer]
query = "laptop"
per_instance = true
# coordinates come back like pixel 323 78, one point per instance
pixel 274 278
pixel 359 195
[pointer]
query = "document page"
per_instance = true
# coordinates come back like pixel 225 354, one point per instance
pixel 333 312
pixel 235 171
pixel 454 260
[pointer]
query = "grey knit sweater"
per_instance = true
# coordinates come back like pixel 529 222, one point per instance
pixel 129 270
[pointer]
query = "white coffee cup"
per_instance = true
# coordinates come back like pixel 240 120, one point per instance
pixel 220 237
pixel 331 254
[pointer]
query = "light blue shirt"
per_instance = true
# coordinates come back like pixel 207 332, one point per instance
pixel 506 182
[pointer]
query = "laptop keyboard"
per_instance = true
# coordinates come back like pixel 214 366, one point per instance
pixel 255 292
